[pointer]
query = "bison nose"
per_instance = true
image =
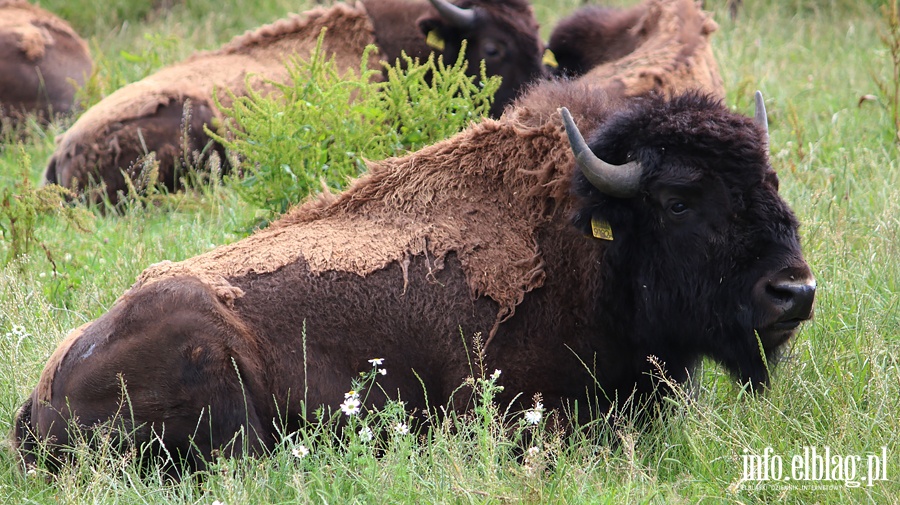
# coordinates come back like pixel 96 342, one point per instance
pixel 789 295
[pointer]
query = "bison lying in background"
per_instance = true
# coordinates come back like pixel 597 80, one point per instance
pixel 594 35
pixel 681 248
pixel 151 116
pixel 659 44
pixel 42 60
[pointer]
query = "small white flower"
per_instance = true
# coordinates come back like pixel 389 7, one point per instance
pixel 533 451
pixel 217 502
pixel 365 434
pixel 376 361
pixel 351 406
pixel 42 275
pixel 495 375
pixel 401 428
pixel 68 257
pixel 351 394
pixel 533 416
pixel 300 451
pixel 101 261
pixel 382 371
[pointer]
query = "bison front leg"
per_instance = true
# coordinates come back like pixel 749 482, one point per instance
pixel 168 371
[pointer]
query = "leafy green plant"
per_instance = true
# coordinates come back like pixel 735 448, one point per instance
pixel 23 205
pixel 318 129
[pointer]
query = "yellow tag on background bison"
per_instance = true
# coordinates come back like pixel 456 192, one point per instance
pixel 600 228
pixel 434 40
pixel 549 59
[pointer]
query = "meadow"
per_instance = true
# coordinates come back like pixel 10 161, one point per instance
pixel 834 142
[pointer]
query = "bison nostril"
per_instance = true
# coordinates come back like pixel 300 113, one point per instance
pixel 792 297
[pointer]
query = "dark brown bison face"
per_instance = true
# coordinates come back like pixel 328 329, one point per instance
pixel 705 254
pixel 502 33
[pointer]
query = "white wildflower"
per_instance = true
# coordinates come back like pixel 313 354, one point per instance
pixel 351 394
pixel 217 502
pixel 365 434
pixel 401 429
pixel 351 406
pixel 533 451
pixel 376 361
pixel 533 416
pixel 495 375
pixel 300 451
pixel 382 371
pixel 42 275
pixel 68 257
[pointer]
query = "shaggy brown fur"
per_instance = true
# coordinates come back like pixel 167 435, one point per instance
pixel 39 55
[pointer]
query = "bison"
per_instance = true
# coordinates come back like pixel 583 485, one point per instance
pixel 151 115
pixel 660 241
pixel 42 62
pixel 657 45
pixel 594 35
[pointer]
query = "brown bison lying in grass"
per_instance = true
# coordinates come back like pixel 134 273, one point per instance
pixel 588 274
pixel 151 116
pixel 42 60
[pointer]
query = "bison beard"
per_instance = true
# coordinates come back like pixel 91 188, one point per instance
pixel 472 235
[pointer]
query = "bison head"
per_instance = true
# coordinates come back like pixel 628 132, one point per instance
pixel 705 255
pixel 502 33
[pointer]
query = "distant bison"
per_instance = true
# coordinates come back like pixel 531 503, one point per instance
pixel 42 60
pixel 653 45
pixel 681 248
pixel 593 35
pixel 151 115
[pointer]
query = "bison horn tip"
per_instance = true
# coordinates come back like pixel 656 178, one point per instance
pixel 760 116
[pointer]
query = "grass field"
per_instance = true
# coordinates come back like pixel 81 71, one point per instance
pixel 837 159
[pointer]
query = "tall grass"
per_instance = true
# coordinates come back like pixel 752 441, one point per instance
pixel 840 387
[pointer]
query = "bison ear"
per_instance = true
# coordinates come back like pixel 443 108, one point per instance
pixel 428 24
pixel 582 220
pixel 433 29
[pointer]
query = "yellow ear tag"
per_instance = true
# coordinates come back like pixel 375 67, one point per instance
pixel 549 59
pixel 600 228
pixel 434 40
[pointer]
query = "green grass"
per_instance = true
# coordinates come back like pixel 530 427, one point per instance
pixel 838 165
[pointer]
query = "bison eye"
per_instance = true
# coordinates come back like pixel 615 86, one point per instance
pixel 492 49
pixel 678 208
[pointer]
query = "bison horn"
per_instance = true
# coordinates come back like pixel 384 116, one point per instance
pixel 620 181
pixel 457 16
pixel 760 116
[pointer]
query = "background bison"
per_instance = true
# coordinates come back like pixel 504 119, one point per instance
pixel 152 115
pixel 472 236
pixel 42 60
